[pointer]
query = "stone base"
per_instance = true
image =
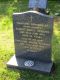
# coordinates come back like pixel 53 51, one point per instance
pixel 18 63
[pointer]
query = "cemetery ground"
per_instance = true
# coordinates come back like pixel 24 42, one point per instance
pixel 7 43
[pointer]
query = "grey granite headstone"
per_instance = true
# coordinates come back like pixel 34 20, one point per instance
pixel 42 4
pixel 32 38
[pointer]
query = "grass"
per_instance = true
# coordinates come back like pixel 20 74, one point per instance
pixel 7 42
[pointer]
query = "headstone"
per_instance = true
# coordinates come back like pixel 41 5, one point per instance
pixel 32 38
pixel 42 4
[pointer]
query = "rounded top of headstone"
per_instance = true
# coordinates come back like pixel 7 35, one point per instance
pixel 33 12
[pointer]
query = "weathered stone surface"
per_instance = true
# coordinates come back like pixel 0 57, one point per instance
pixel 32 35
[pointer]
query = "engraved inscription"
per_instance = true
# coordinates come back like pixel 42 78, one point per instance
pixel 33 37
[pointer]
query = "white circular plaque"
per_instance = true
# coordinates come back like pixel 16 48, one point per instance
pixel 29 63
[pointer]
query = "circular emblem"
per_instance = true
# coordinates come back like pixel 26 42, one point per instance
pixel 29 63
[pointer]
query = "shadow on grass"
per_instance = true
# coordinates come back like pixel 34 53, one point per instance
pixel 32 75
pixel 54 6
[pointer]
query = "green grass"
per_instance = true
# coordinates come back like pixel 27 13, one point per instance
pixel 7 43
